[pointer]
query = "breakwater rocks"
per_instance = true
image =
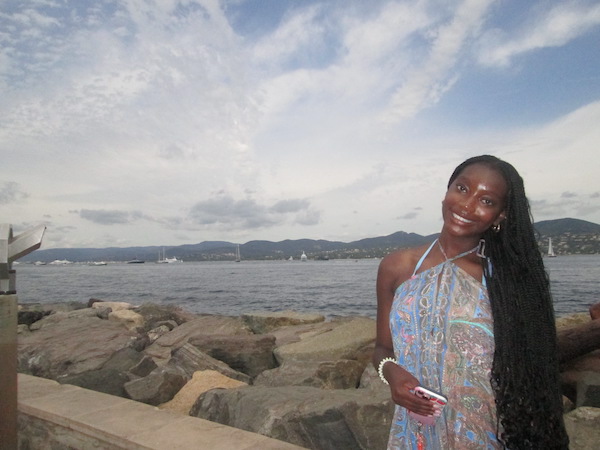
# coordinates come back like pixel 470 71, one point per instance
pixel 294 377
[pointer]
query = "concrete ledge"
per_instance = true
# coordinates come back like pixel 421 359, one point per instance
pixel 52 415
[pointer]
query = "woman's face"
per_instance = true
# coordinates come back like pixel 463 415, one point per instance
pixel 475 201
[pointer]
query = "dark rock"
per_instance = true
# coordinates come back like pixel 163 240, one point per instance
pixel 250 354
pixel 70 346
pixel 91 302
pixel 162 348
pixel 342 374
pixel 588 390
pixel 123 359
pixel 595 311
pixel 265 322
pixel 188 359
pixel 109 381
pixel 144 367
pixel 157 315
pixel 158 387
pixel 29 317
pixel 305 416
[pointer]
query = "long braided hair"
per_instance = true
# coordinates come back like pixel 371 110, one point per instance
pixel 525 375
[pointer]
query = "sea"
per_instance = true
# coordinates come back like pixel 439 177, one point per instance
pixel 331 288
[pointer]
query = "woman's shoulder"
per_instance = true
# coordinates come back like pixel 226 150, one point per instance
pixel 399 265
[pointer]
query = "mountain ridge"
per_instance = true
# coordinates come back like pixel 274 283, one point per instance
pixel 570 236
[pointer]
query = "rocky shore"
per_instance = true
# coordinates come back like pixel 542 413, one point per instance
pixel 295 377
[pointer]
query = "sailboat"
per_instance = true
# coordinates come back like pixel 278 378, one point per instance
pixel 165 260
pixel 238 257
pixel 550 249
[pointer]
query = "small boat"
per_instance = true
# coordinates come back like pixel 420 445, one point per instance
pixel 238 257
pixel 550 249
pixel 136 261
pixel 303 257
pixel 97 263
pixel 60 262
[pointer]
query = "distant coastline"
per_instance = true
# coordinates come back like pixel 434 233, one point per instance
pixel 569 236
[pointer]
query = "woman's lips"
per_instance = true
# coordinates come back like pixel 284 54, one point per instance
pixel 461 219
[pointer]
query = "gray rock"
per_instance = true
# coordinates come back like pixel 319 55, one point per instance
pixel 188 359
pixel 347 340
pixel 123 359
pixel 29 317
pixel 109 381
pixel 60 316
pixel 305 416
pixel 341 374
pixel 158 387
pixel 72 345
pixel 162 348
pixel 157 315
pixel 144 367
pixel 157 332
pixel 588 390
pixel 583 428
pixel 250 354
pixel 265 322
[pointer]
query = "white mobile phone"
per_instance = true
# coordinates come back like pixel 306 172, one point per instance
pixel 432 396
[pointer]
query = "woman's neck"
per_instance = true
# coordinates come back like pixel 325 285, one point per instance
pixel 451 246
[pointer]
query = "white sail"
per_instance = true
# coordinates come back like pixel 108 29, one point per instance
pixel 550 249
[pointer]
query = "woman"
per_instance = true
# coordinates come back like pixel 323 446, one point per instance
pixel 470 316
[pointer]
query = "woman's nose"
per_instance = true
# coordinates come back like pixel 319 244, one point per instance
pixel 469 204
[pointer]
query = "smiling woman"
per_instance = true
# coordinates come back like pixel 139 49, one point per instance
pixel 470 316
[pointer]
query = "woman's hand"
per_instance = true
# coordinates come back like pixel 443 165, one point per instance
pixel 402 384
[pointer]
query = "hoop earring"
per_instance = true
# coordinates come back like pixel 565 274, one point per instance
pixel 496 228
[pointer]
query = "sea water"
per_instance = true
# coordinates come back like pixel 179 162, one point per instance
pixel 331 288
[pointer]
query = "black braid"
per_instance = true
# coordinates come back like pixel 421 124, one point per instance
pixel 525 375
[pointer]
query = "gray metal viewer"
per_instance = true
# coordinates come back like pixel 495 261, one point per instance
pixel 11 249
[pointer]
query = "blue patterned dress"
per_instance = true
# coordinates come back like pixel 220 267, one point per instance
pixel 442 328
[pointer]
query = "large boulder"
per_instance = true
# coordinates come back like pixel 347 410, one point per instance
pixel 156 315
pixel 305 416
pixel 109 381
pixel 188 360
pixel 71 345
pixel 159 387
pixel 56 317
pixel 164 382
pixel 127 317
pixel 162 348
pixel 250 354
pixel 341 374
pixel 582 425
pixel 574 371
pixel 347 340
pixel 265 322
pixel 202 381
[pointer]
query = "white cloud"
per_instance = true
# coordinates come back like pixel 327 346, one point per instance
pixel 553 27
pixel 158 121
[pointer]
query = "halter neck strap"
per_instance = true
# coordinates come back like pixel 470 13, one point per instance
pixel 473 250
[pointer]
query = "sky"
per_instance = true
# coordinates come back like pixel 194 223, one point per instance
pixel 165 122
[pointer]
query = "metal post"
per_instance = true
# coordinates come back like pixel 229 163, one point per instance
pixel 11 248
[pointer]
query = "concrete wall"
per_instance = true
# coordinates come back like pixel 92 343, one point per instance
pixel 55 416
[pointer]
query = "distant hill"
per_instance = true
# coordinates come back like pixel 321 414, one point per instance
pixel 560 226
pixel 569 236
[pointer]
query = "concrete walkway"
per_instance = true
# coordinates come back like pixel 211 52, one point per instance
pixel 52 415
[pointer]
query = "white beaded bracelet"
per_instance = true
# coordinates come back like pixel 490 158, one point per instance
pixel 380 368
